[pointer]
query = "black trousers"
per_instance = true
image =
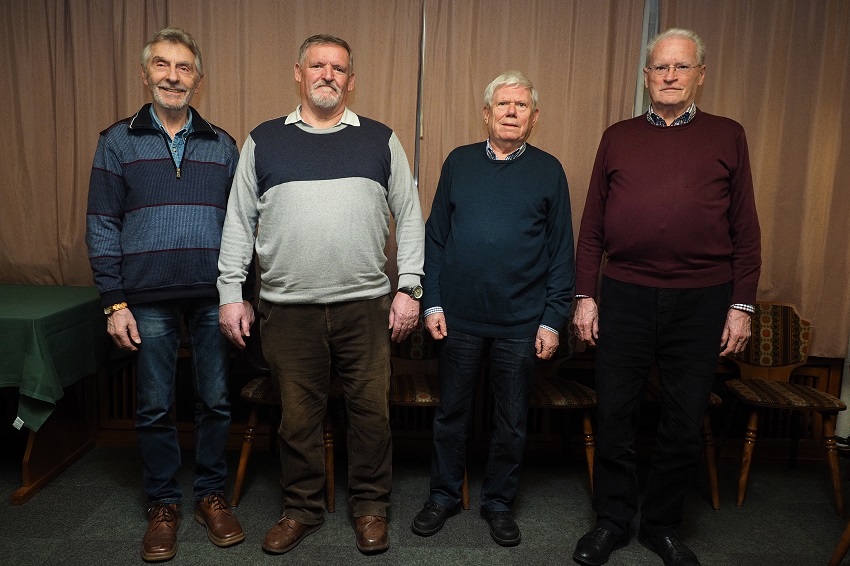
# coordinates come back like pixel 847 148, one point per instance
pixel 678 329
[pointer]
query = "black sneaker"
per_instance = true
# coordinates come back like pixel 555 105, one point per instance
pixel 503 528
pixel 430 519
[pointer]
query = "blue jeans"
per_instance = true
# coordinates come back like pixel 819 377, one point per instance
pixel 511 364
pixel 159 327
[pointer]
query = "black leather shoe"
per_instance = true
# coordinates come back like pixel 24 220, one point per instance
pixel 595 547
pixel 671 551
pixel 430 519
pixel 503 528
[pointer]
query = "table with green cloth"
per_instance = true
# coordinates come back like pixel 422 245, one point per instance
pixel 51 337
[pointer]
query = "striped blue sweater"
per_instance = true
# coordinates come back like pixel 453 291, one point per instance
pixel 154 234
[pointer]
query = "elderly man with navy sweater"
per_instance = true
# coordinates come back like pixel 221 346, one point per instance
pixel 499 280
pixel 158 192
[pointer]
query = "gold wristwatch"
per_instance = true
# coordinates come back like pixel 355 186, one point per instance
pixel 112 308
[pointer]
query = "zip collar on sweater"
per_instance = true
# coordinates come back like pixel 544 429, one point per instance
pixel 142 121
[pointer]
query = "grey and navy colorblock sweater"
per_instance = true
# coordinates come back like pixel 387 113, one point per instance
pixel 319 202
pixel 153 235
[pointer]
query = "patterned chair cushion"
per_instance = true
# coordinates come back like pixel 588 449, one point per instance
pixel 783 395
pixel 262 390
pixel 414 390
pixel 558 392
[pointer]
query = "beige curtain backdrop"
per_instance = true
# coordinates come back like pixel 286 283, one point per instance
pixel 781 68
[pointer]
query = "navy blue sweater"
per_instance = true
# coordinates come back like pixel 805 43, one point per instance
pixel 153 235
pixel 499 244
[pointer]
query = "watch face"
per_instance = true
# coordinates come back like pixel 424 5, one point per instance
pixel 417 292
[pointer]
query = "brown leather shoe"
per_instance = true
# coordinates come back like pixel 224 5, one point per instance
pixel 223 527
pixel 160 542
pixel 286 534
pixel 371 533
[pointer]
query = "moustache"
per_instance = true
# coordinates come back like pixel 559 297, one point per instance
pixel 330 84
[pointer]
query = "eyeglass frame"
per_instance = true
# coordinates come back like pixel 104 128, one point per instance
pixel 662 70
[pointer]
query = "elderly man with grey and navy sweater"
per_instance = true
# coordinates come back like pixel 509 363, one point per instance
pixel 313 195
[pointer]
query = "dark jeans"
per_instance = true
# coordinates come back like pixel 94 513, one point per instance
pixel 301 344
pixel 159 327
pixel 511 374
pixel 680 330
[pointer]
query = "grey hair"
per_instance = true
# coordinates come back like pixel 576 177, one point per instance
pixel 324 39
pixel 174 35
pixel 682 34
pixel 510 78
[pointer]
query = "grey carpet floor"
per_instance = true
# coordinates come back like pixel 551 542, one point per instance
pixel 93 514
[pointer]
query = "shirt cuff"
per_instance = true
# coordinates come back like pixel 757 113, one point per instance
pixel 743 307
pixel 550 329
pixel 432 310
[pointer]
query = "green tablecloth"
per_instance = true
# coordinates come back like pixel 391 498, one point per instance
pixel 50 337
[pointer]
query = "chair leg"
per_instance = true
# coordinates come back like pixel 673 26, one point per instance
pixel 747 458
pixel 832 460
pixel 464 492
pixel 328 434
pixel 247 446
pixel 710 461
pixel 589 447
pixel 842 547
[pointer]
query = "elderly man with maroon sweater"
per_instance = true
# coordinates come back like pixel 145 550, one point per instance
pixel 671 204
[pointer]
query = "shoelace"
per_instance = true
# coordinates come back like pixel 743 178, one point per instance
pixel 217 502
pixel 162 513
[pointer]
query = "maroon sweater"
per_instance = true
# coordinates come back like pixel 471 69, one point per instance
pixel 672 208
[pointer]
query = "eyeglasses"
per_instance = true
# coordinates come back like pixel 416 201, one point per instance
pixel 660 70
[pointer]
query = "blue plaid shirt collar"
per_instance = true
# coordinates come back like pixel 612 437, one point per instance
pixel 513 155
pixel 686 117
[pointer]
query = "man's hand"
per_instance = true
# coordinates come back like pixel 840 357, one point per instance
pixel 235 320
pixel 121 326
pixel 586 320
pixel 546 343
pixel 736 332
pixel 435 324
pixel 404 316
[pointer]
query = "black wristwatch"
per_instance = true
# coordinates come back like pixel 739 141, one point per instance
pixel 412 292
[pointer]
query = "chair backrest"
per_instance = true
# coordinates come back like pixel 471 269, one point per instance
pixel 416 354
pixel 778 345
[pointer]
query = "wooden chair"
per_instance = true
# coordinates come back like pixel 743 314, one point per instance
pixel 263 390
pixel 780 344
pixel 553 392
pixel 414 381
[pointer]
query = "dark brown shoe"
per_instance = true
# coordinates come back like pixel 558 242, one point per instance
pixel 160 542
pixel 286 534
pixel 223 527
pixel 371 534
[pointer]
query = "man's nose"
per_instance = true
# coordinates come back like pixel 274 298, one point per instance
pixel 328 72
pixel 172 74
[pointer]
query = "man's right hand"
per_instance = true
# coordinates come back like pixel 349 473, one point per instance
pixel 435 324
pixel 121 326
pixel 235 321
pixel 586 320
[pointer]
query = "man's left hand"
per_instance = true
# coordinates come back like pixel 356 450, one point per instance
pixel 546 343
pixel 404 316
pixel 736 332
